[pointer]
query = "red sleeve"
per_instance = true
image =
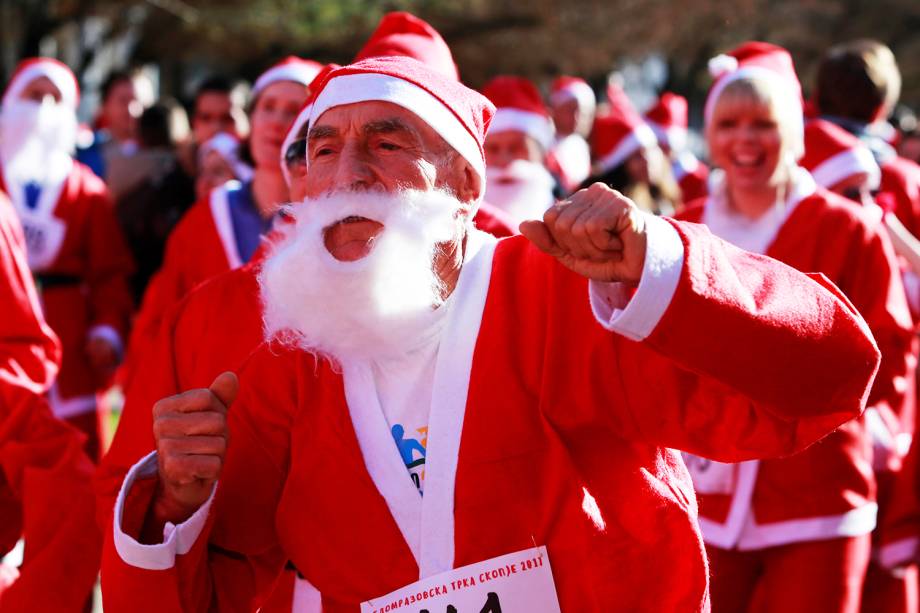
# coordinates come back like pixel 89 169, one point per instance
pixel 29 351
pixel 41 458
pixel 227 569
pixel 751 359
pixel 156 379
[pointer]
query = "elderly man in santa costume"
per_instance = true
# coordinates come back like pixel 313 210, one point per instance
pixel 45 495
pixel 560 483
pixel 75 247
pixel 517 180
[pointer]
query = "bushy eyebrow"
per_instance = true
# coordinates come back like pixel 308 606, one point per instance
pixel 390 126
pixel 322 132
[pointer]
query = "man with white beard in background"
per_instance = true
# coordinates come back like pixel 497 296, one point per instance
pixel 75 248
pixel 517 181
pixel 530 387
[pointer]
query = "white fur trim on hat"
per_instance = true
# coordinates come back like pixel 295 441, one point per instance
pixel 845 164
pixel 579 91
pixel 787 97
pixel 534 125
pixel 298 72
pixel 62 78
pixel 365 87
pixel 641 136
pixel 299 121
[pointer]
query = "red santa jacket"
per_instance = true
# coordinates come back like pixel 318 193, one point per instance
pixel 44 474
pixel 201 246
pixel 565 436
pixel 83 281
pixel 210 331
pixel 830 489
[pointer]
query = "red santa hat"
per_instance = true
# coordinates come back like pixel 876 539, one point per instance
pixel 668 120
pixel 302 118
pixel 290 68
pixel 566 88
pixel 766 62
pixel 519 106
pixel 458 114
pixel 56 72
pixel 832 154
pixel 405 34
pixel 619 133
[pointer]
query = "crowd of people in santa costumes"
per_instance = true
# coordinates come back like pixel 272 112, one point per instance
pixel 418 345
pixel 75 250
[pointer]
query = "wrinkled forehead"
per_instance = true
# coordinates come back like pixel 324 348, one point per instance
pixel 373 116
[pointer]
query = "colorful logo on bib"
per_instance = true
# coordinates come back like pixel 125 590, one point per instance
pixel 412 451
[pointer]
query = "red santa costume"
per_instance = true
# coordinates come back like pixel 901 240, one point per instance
pixel 75 247
pixel 570 155
pixel 205 242
pixel 668 120
pixel 523 189
pixel 795 530
pixel 44 474
pixel 572 455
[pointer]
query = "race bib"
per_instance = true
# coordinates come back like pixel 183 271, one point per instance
pixel 514 583
pixel 44 236
pixel 709 476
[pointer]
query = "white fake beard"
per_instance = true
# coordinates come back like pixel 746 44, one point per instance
pixel 37 140
pixel 372 307
pixel 523 189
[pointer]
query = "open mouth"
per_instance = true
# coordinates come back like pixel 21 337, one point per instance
pixel 748 160
pixel 351 238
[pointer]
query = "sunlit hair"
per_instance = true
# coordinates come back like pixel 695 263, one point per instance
pixel 746 93
pixel 858 80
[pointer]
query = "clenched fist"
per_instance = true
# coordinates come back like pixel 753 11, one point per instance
pixel 597 232
pixel 191 439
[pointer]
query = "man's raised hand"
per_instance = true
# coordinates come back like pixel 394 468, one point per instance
pixel 596 232
pixel 191 440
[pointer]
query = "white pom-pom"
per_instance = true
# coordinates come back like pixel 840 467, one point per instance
pixel 722 65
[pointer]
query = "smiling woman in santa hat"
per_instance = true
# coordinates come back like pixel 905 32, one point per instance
pixel 223 230
pixel 793 533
